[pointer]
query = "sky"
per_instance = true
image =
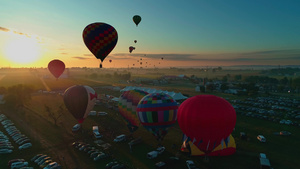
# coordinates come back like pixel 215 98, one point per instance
pixel 190 33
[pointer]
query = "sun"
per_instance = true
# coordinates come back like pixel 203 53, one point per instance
pixel 22 50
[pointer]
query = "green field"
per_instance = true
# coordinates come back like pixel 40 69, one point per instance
pixel 56 141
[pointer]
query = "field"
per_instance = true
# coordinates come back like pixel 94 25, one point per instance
pixel 56 140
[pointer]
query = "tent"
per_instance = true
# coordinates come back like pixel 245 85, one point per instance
pixel 227 147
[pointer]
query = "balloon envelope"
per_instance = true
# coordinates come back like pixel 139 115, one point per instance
pixel 206 120
pixel 157 113
pixel 136 19
pixel 56 67
pixel 100 38
pixel 80 100
pixel 131 48
pixel 127 105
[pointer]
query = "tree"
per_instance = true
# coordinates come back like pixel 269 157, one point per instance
pixel 238 77
pixel 54 116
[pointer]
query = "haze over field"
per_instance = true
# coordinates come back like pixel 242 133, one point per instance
pixel 193 34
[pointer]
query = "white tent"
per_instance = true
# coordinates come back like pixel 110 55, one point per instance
pixel 179 96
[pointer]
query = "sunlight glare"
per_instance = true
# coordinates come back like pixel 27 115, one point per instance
pixel 22 50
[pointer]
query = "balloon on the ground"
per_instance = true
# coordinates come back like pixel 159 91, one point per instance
pixel 127 105
pixel 157 113
pixel 136 19
pixel 100 38
pixel 56 67
pixel 80 100
pixel 206 120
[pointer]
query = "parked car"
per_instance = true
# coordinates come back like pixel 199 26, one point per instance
pixel 18 164
pixel 95 154
pixel 160 150
pixel 5 151
pixel 35 157
pixel 97 134
pixel 43 160
pixel 76 127
pixel 44 164
pixel 40 158
pixel 190 164
pixel 160 164
pixel 51 165
pixel 110 164
pixel 120 138
pixel 100 156
pixel 261 138
pixel 14 160
pixel 26 145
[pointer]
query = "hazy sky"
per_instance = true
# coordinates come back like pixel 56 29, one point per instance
pixel 184 33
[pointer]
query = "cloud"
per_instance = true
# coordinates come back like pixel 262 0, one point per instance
pixel 80 58
pixel 234 57
pixel 88 55
pixel 64 53
pixel 4 29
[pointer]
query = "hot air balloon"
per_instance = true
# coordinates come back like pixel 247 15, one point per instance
pixel 56 67
pixel 157 113
pixel 207 120
pixel 100 39
pixel 131 48
pixel 110 61
pixel 80 100
pixel 162 58
pixel 128 102
pixel 135 41
pixel 136 19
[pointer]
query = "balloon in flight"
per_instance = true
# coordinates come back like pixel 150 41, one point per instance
pixel 100 38
pixel 157 113
pixel 135 41
pixel 80 100
pixel 136 19
pixel 131 48
pixel 56 67
pixel 207 120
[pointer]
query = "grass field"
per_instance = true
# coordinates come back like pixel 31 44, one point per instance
pixel 56 140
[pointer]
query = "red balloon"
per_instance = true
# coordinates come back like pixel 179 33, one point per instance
pixel 206 120
pixel 56 67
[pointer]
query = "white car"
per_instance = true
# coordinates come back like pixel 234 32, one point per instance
pixel 190 164
pixel 120 138
pixel 51 165
pixel 5 151
pixel 160 150
pixel 18 164
pixel 76 127
pixel 261 138
pixel 26 145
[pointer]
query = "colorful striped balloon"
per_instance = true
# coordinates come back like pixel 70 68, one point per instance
pixel 127 105
pixel 157 113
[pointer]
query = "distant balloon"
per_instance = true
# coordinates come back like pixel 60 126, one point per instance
pixel 56 67
pixel 80 100
pixel 135 41
pixel 162 58
pixel 157 113
pixel 206 120
pixel 100 39
pixel 131 48
pixel 136 19
pixel 128 102
pixel 110 60
pixel 133 64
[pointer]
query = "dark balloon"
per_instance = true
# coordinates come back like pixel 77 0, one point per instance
pixel 100 39
pixel 131 48
pixel 56 67
pixel 206 120
pixel 80 100
pixel 135 41
pixel 136 19
pixel 110 60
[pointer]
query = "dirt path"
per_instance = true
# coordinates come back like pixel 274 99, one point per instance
pixel 62 153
